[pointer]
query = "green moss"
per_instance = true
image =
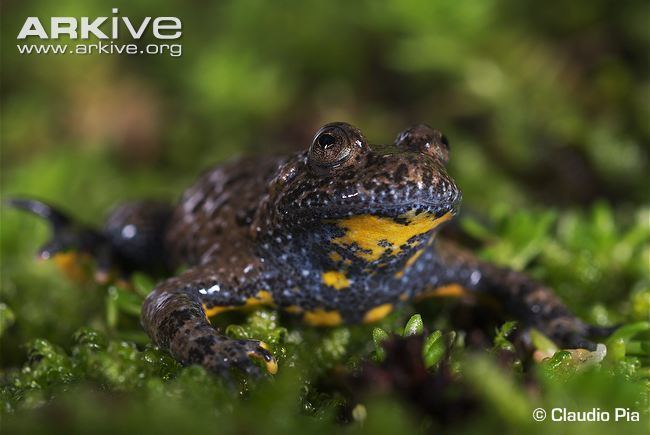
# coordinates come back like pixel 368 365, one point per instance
pixel 547 116
pixel 111 356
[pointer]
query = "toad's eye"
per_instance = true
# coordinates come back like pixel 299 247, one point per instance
pixel 331 147
pixel 424 139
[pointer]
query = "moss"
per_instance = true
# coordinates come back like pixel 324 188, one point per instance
pixel 547 118
pixel 100 362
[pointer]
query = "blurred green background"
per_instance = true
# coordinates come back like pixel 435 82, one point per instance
pixel 546 106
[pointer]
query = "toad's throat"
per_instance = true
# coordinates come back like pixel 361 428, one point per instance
pixel 373 237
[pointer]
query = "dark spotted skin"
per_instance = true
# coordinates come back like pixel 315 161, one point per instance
pixel 343 232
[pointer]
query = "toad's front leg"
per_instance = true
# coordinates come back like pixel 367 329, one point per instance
pixel 454 271
pixel 174 316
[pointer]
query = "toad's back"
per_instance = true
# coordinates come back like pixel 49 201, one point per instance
pixel 213 218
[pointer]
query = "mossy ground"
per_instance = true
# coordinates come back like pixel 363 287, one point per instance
pixel 96 368
pixel 546 109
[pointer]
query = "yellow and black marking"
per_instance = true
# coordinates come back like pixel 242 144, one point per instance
pixel 321 317
pixel 74 265
pixel 412 259
pixel 263 297
pixel 375 235
pixel 293 309
pixel 335 256
pixel 377 313
pixel 445 291
pixel 335 279
pixel 271 365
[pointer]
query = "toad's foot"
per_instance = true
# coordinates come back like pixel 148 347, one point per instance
pixel 219 354
pixel 71 242
pixel 174 317
pixel 132 239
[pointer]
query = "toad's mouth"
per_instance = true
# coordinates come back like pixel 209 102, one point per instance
pixel 373 237
pixel 392 211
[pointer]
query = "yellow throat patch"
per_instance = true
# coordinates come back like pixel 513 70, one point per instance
pixel 368 231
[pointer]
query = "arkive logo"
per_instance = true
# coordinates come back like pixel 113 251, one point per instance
pixel 107 31
pixel 82 28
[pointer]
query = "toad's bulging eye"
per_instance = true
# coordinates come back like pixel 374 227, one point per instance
pixel 336 145
pixel 424 139
pixel 331 147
